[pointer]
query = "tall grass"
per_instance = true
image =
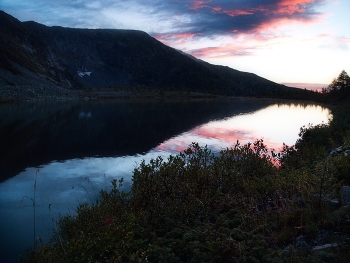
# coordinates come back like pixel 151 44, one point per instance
pixel 33 199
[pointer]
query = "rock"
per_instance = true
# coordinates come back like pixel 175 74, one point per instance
pixel 288 248
pixel 333 203
pixel 340 149
pixel 301 242
pixel 317 249
pixel 340 216
pixel 336 150
pixel 326 252
pixel 345 195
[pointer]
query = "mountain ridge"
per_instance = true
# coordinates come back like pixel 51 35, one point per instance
pixel 33 55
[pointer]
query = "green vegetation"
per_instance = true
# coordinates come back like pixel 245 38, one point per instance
pixel 245 204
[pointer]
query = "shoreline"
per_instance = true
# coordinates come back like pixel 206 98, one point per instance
pixel 23 94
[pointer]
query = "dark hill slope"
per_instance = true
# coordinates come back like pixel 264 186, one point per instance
pixel 34 55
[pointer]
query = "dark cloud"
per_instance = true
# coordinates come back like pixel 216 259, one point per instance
pixel 200 17
pixel 171 20
pixel 217 17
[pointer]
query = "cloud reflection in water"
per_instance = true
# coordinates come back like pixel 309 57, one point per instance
pixel 276 124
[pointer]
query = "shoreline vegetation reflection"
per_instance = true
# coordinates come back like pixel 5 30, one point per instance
pixel 84 146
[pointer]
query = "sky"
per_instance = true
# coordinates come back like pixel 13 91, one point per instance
pixel 303 43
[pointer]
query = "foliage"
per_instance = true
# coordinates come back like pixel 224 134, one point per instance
pixel 339 88
pixel 339 84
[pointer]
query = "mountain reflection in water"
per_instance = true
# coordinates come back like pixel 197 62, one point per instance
pixel 33 134
pixel 74 149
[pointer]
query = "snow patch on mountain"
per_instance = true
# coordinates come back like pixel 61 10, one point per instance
pixel 83 73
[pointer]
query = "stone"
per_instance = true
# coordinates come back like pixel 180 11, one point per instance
pixel 301 242
pixel 288 248
pixel 333 203
pixel 345 195
pixel 323 247
pixel 336 150
pixel 342 215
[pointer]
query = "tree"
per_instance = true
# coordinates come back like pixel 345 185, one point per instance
pixel 342 83
pixel 343 80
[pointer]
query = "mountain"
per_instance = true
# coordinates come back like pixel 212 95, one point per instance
pixel 37 60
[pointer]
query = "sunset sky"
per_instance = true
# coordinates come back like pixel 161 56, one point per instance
pixel 286 41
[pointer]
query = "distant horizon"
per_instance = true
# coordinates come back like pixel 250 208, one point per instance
pixel 285 41
pixel 308 86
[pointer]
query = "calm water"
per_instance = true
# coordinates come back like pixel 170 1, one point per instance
pixel 74 149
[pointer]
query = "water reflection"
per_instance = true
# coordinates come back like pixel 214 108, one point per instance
pixel 33 134
pixel 62 185
pixel 83 115
pixel 275 124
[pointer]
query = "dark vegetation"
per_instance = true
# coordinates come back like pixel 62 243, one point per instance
pixel 339 88
pixel 37 61
pixel 244 204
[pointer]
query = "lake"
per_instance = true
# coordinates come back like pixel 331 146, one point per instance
pixel 68 151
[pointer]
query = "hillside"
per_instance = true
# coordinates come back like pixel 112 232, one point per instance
pixel 37 60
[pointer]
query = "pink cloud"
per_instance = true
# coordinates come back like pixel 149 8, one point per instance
pixel 280 7
pixel 221 51
pixel 237 12
pixel 229 136
pixel 223 137
pixel 176 38
pixel 292 6
pixel 241 44
pixel 252 22
pixel 198 4
pixel 223 134
pixel 173 145
pixel 323 35
pixel 345 39
pixel 309 86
